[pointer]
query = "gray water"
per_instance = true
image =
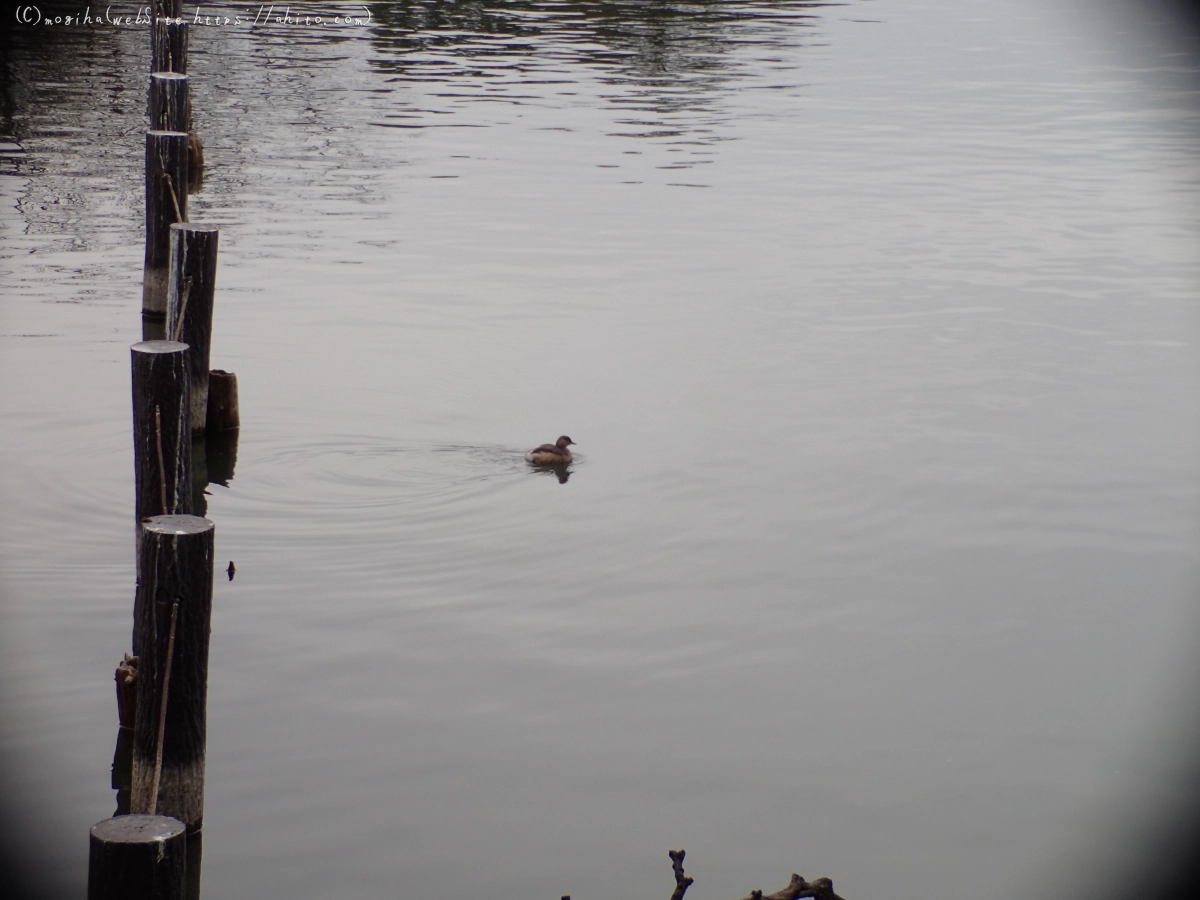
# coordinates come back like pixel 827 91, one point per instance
pixel 875 324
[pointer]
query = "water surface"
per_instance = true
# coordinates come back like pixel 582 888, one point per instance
pixel 875 324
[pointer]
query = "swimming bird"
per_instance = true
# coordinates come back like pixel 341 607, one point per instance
pixel 555 454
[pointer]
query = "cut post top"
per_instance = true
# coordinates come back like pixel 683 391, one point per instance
pixel 159 346
pixel 137 829
pixel 182 134
pixel 169 75
pixel 177 524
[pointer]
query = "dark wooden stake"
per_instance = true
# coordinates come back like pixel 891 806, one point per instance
pixel 195 854
pixel 223 413
pixel 137 858
pixel 154 329
pixel 190 288
pixel 126 678
pixel 169 107
pixel 172 620
pixel 168 46
pixel 162 441
pixel 122 767
pixel 166 203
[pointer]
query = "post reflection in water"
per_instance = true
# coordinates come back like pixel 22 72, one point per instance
pixel 214 458
pixel 669 69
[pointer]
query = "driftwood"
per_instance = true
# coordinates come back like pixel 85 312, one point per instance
pixel 820 888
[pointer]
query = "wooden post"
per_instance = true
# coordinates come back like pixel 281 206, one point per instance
pixel 172 616
pixel 195 854
pixel 166 203
pixel 137 858
pixel 190 287
pixel 122 767
pixel 154 329
pixel 170 109
pixel 168 46
pixel 223 412
pixel 162 441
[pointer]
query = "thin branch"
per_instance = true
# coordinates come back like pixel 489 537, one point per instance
pixel 179 216
pixel 682 882
pixel 162 711
pixel 187 289
pixel 162 468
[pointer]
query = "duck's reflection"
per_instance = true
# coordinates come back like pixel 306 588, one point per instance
pixel 562 472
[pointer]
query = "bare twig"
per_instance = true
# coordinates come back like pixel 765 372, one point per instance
pixel 187 289
pixel 162 468
pixel 179 216
pixel 162 710
pixel 682 882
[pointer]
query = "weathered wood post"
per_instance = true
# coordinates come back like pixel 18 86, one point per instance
pixel 137 858
pixel 190 288
pixel 172 619
pixel 169 106
pixel 166 203
pixel 162 440
pixel 195 855
pixel 223 411
pixel 168 45
pixel 122 767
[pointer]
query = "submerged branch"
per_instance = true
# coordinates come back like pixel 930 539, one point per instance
pixel 820 888
pixel 682 882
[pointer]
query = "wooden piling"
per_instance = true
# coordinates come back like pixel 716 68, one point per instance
pixel 172 616
pixel 137 858
pixel 169 106
pixel 162 442
pixel 190 288
pixel 154 329
pixel 168 46
pixel 223 412
pixel 122 767
pixel 195 855
pixel 166 203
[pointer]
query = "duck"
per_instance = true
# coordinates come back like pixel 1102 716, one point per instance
pixel 555 454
